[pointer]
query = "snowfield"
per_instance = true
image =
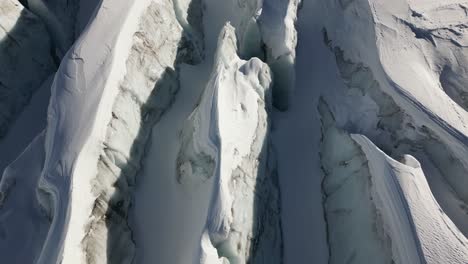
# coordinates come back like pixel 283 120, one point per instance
pixel 235 131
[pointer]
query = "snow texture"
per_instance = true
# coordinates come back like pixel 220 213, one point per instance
pixel 236 131
pixel 237 96
pixel 25 60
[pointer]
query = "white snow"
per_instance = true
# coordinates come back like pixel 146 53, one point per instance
pixel 439 239
pixel 82 96
pixel 189 131
pixel 237 97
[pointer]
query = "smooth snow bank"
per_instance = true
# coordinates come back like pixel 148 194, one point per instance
pixel 61 32
pixel 80 108
pixel 23 225
pixel 25 60
pixel 145 93
pixel 31 122
pixel 354 223
pixel 405 113
pixel 226 139
pixel 387 206
pixel 433 39
pixel 439 239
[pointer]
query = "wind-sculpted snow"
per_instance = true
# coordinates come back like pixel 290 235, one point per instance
pixel 65 20
pixel 430 224
pixel 80 107
pixel 385 205
pixel 174 126
pixel 266 29
pixel 23 227
pixel 350 211
pixel 146 91
pixel 391 109
pixel 401 124
pixel 25 60
pixel 226 138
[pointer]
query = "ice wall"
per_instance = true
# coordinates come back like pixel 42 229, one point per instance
pixel 25 58
pixel 378 209
pixel 226 138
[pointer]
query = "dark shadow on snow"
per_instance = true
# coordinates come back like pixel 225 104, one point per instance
pixel 163 94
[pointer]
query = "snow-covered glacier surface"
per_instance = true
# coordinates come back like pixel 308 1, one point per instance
pixel 234 131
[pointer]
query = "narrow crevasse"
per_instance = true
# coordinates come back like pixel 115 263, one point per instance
pixel 238 131
pixel 183 180
pixel 146 91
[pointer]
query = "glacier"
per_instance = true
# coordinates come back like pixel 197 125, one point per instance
pixel 235 131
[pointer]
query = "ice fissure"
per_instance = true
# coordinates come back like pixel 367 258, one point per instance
pixel 233 132
pixel 146 91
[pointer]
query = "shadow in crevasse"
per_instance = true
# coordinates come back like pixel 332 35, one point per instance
pixel 25 64
pixel 120 244
pixel 266 243
pixel 117 172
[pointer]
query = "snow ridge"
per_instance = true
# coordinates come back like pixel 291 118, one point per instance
pixel 237 96
pixel 144 94
pixel 177 107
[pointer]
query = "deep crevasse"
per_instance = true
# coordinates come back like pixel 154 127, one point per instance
pixel 195 131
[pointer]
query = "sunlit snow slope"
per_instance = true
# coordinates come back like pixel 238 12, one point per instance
pixel 233 131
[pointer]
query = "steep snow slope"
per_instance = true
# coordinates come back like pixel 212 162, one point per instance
pixel 185 206
pixel 411 183
pixel 144 94
pixel 81 101
pixel 25 60
pixel 386 205
pixel 390 68
pixel 211 160
pixel 188 131
pixel 397 119
pixel 23 226
pixel 232 119
pixel 31 122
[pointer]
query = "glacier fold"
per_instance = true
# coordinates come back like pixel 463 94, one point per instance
pixel 233 132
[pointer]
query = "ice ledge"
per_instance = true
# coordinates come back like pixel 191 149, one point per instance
pixel 82 96
pixel 365 188
pixel 226 141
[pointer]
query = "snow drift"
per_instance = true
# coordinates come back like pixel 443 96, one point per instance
pixel 227 139
pixel 191 131
pixel 383 203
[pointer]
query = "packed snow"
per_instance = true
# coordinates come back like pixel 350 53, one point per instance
pixel 234 131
